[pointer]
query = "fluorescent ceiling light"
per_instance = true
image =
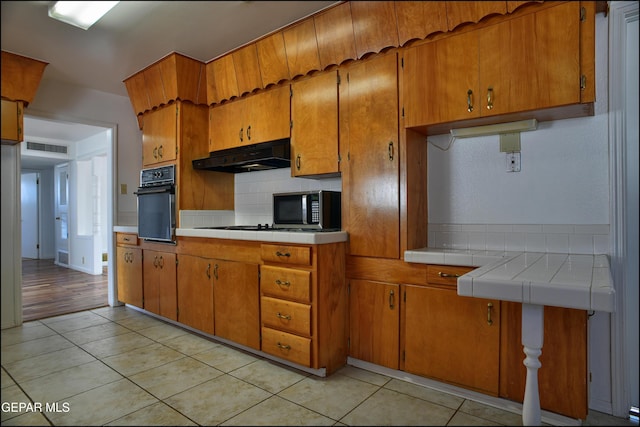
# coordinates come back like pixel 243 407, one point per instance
pixel 512 127
pixel 82 14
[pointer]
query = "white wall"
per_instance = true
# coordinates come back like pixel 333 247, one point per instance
pixel 68 102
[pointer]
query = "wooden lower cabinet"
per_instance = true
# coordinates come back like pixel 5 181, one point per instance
pixel 374 322
pixel 563 375
pixel 129 269
pixel 160 292
pixel 303 304
pixel 237 302
pixel 451 338
pixel 195 292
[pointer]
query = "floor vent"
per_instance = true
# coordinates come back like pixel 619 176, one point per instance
pixel 63 258
pixel 51 148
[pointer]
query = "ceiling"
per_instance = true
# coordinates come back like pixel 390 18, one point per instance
pixel 132 36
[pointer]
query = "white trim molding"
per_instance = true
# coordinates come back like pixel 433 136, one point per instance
pixel 621 14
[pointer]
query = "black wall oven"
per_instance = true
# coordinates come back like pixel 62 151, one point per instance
pixel 156 204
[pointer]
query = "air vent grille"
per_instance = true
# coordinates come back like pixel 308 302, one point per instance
pixel 51 148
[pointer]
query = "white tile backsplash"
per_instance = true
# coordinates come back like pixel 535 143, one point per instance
pixel 561 238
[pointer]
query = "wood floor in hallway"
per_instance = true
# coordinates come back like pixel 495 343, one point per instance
pixel 50 290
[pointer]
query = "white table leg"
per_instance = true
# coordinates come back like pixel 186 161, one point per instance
pixel 532 338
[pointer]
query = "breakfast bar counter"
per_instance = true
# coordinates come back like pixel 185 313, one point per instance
pixel 535 279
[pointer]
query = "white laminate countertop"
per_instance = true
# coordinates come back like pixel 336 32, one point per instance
pixel 556 279
pixel 302 237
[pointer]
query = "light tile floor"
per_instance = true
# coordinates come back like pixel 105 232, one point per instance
pixel 118 366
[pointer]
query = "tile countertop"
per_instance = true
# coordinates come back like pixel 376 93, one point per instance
pixel 556 279
pixel 301 237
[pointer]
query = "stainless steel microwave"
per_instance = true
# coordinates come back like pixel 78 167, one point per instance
pixel 316 210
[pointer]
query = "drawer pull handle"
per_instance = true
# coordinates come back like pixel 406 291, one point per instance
pixel 287 254
pixel 209 271
pixel 391 300
pixel 281 283
pixel 284 316
pixel 284 346
pixel 489 320
pixel 469 100
pixel 441 274
pixel 489 98
pixel 215 271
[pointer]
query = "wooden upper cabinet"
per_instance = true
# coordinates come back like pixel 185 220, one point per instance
pixel 183 78
pixel 314 131
pixel 334 32
pixel 513 5
pixel 159 135
pixel 374 26
pixel 12 122
pixel 174 77
pixel 418 19
pixel 138 95
pixel 520 72
pixel 20 77
pixel 245 63
pixel 441 80
pixel 302 48
pixel 272 59
pixel 223 74
pixel 460 12
pixel 269 115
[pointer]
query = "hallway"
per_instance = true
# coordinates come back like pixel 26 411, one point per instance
pixel 50 290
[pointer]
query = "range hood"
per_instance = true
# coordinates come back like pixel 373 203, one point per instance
pixel 256 157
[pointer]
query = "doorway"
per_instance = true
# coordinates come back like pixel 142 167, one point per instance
pixel 71 270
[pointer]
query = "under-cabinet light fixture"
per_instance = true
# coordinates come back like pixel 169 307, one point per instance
pixel 82 14
pixel 500 128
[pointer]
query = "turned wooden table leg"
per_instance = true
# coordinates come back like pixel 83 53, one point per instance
pixel 532 339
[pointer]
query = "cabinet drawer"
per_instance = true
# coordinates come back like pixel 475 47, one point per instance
pixel 445 274
pixel 288 315
pixel 286 283
pixel 287 346
pixel 126 239
pixel 300 255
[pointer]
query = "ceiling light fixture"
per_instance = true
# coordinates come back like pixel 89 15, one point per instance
pixel 82 14
pixel 500 128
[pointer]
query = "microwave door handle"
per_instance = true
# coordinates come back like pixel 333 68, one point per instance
pixel 304 209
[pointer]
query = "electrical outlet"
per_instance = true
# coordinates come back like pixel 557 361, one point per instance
pixel 513 162
pixel 123 188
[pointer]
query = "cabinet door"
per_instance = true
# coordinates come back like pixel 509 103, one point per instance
pixel 159 135
pixel 129 265
pixel 531 62
pixel 369 127
pixel 237 302
pixel 441 81
pixel 314 131
pixel 195 292
pixel 374 319
pixel 12 121
pixel 160 294
pixel 226 128
pixel 452 338
pixel 268 116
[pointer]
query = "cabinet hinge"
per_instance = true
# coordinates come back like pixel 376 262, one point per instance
pixel 404 296
pixel 402 62
pixel 290 92
pixel 583 82
pixel 349 342
pixel 347 77
pixel 177 110
pixel 291 124
pixel 338 78
pixel 583 14
pixel 402 112
pixel 339 158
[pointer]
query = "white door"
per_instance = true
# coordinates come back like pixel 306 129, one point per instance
pixel 29 213
pixel 61 182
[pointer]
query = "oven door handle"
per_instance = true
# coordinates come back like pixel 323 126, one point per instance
pixel 154 190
